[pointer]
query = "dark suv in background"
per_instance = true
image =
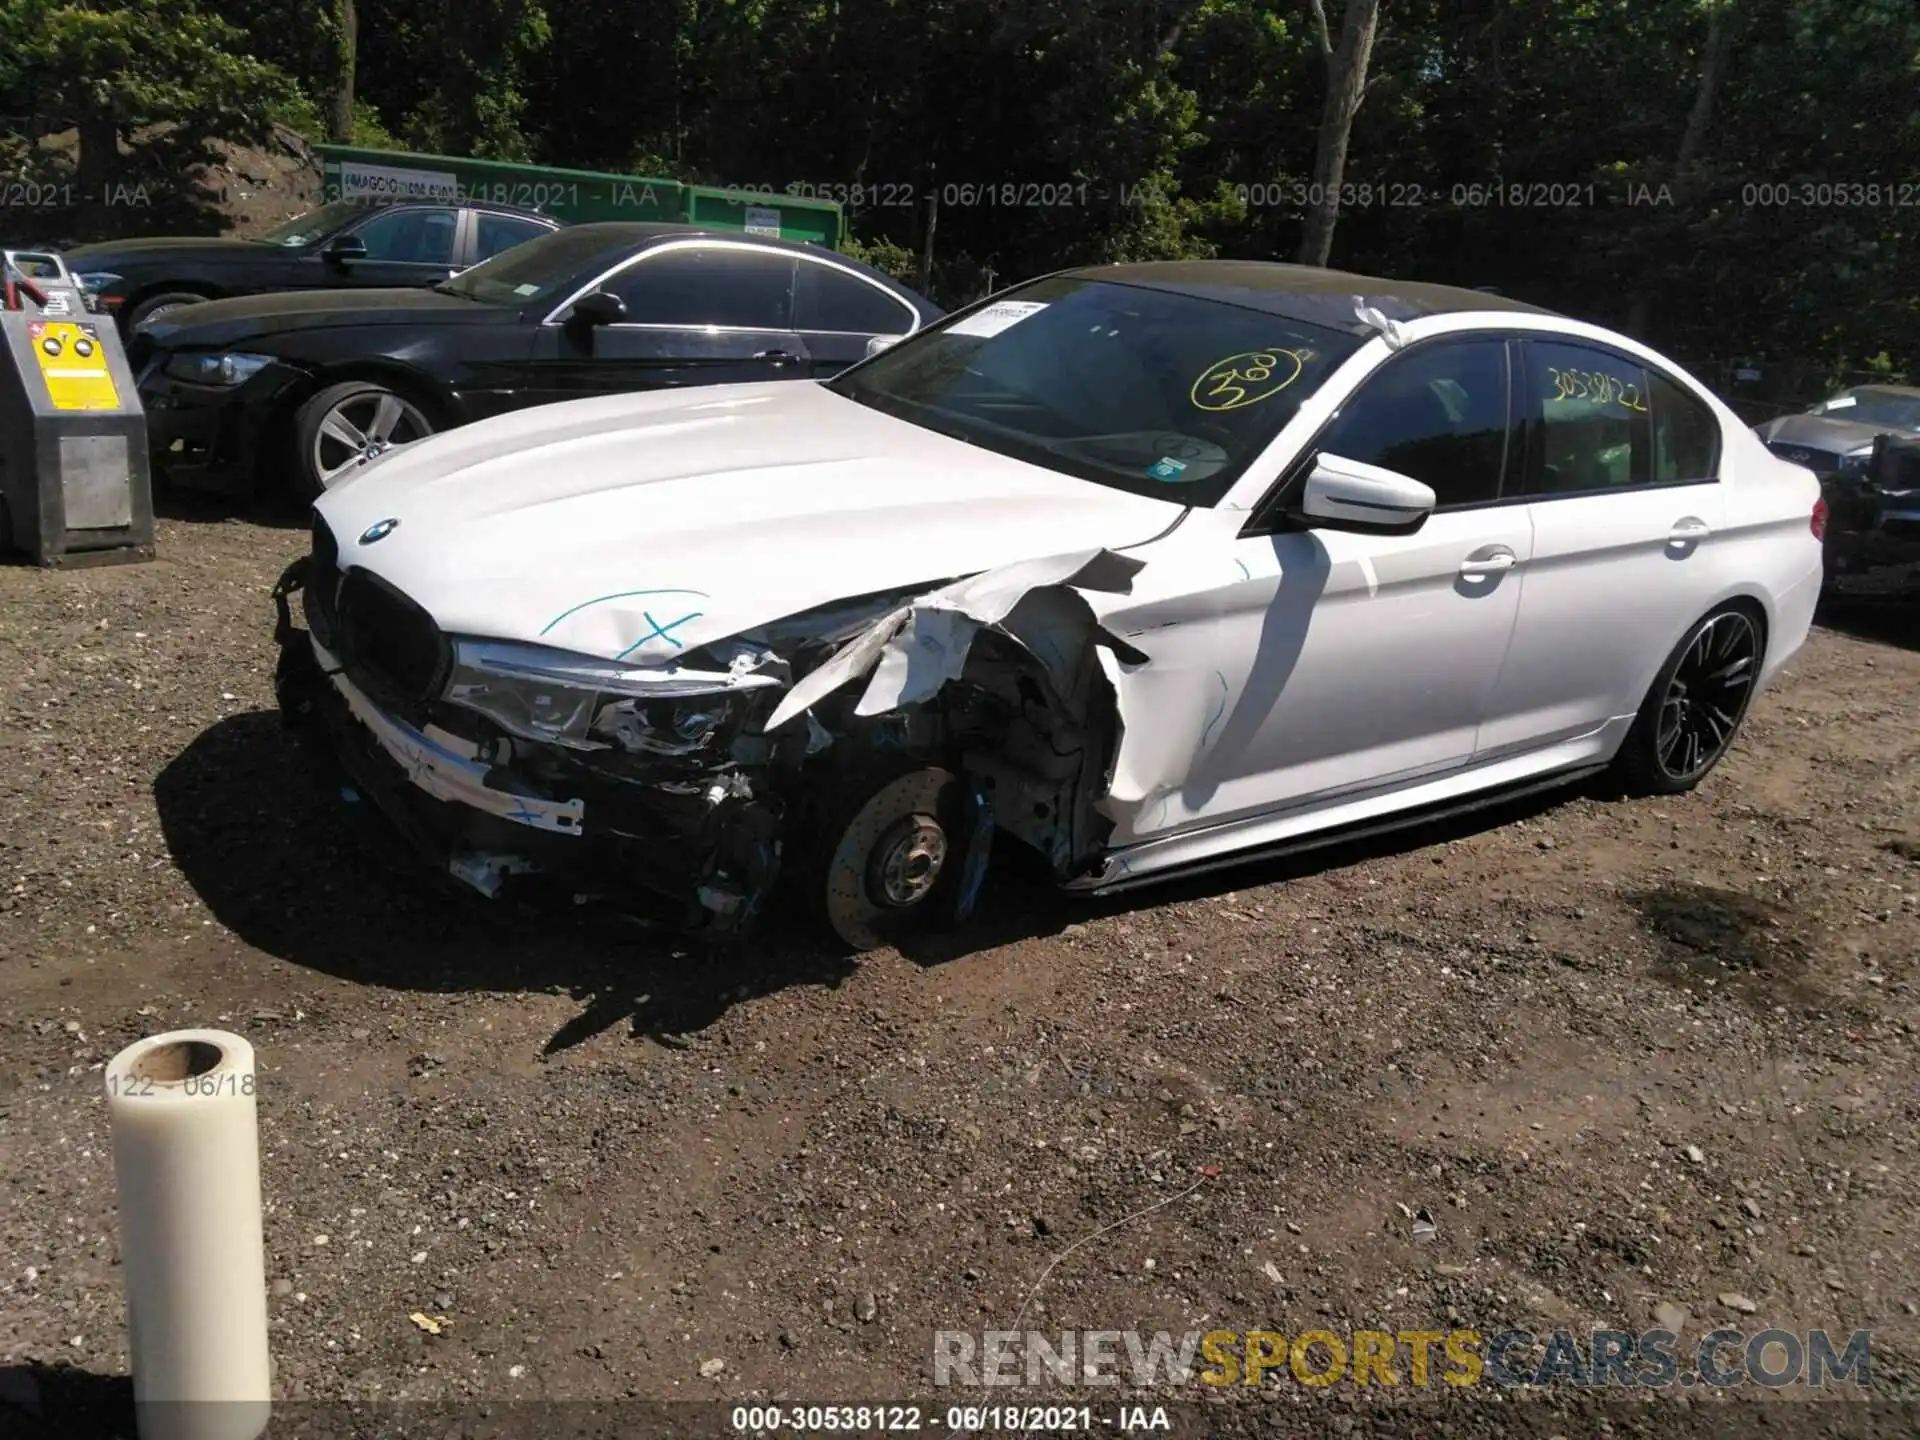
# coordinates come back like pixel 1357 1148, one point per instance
pixel 348 244
pixel 1864 444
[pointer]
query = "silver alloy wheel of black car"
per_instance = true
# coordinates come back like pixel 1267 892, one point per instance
pixel 355 428
pixel 1706 696
pixel 889 860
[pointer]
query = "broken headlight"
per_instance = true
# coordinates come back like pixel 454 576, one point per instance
pixel 586 703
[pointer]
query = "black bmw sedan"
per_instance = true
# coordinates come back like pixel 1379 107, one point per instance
pixel 348 244
pixel 296 390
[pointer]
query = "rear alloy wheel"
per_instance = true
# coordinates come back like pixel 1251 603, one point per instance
pixel 1695 706
pixel 344 426
pixel 891 862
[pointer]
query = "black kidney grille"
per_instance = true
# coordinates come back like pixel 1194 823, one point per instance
pixel 388 645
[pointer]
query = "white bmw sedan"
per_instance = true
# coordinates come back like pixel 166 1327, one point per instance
pixel 1147 568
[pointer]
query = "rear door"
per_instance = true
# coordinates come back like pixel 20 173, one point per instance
pixel 698 313
pixel 1622 483
pixel 489 232
pixel 836 310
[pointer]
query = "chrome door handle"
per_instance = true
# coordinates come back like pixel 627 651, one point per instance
pixel 779 357
pixel 1492 561
pixel 1689 529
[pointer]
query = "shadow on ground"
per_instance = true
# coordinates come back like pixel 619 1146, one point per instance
pixel 1889 621
pixel 257 822
pixel 63 1402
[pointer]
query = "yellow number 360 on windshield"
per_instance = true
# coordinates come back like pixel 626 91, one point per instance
pixel 1245 379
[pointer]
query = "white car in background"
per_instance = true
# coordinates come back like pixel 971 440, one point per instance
pixel 1150 567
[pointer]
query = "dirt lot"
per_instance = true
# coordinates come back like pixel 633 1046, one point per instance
pixel 610 1163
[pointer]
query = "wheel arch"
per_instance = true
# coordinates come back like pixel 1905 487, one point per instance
pixel 153 289
pixel 278 434
pixel 405 380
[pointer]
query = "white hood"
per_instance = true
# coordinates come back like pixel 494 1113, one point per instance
pixel 648 525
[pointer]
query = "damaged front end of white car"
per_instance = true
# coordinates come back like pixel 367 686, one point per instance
pixel 860 755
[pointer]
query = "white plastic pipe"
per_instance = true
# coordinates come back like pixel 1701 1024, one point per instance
pixel 186 1160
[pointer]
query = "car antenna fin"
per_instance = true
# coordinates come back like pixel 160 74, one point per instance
pixel 1390 330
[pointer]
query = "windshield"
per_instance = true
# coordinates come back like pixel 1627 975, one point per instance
pixel 314 225
pixel 534 272
pixel 1145 390
pixel 1874 407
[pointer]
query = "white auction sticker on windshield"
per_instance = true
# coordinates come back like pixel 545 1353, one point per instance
pixel 1001 315
pixel 1841 402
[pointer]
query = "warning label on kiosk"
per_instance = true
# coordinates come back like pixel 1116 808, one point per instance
pixel 74 365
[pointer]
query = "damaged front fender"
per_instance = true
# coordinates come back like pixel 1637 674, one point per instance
pixel 916 649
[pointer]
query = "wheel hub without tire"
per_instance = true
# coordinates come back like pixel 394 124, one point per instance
pixel 907 862
pixel 889 860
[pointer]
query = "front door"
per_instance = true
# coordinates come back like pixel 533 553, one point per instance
pixel 709 313
pixel 1317 663
pixel 406 245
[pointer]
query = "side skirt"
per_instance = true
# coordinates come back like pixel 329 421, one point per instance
pixel 1125 878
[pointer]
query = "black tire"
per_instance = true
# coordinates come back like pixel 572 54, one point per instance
pixel 320 453
pixel 883 856
pixel 154 304
pixel 1694 709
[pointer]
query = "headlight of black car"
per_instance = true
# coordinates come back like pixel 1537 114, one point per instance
pixel 1857 462
pixel 199 367
pixel 585 703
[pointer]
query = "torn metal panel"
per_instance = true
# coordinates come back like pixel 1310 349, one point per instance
pixel 922 645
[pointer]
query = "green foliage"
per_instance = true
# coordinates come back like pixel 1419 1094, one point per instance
pixel 147 85
pixel 885 256
pixel 1532 145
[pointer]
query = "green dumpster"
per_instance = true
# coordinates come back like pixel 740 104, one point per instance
pixel 576 195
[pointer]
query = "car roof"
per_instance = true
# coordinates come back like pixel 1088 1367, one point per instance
pixel 417 202
pixel 1911 392
pixel 622 234
pixel 618 237
pixel 1307 292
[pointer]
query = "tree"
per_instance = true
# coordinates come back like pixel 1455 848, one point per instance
pixel 155 79
pixel 346 24
pixel 1346 88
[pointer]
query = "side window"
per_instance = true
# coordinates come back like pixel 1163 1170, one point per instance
pixel 1594 432
pixel 1686 437
pixel 502 232
pixel 1438 414
pixel 828 299
pixel 709 285
pixel 420 237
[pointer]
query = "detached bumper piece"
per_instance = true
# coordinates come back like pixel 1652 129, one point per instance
pixel 699 857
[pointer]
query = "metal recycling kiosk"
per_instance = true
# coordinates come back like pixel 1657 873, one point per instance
pixel 74 483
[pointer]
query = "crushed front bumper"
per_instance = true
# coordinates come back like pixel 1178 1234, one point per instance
pixel 700 861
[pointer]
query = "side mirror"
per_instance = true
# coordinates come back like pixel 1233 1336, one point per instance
pixel 882 342
pixel 1342 494
pixel 598 307
pixel 343 248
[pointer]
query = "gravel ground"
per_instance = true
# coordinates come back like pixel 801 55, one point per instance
pixel 1627 1055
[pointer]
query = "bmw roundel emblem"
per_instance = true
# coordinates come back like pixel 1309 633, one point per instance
pixel 379 530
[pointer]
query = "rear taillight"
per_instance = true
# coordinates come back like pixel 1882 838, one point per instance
pixel 1819 523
